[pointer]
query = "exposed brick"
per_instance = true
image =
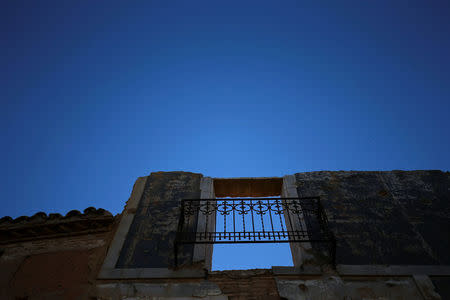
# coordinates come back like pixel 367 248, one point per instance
pixel 246 284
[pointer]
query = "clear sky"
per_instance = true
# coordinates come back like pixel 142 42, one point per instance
pixel 97 93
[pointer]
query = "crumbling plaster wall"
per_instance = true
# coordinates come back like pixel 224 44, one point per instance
pixel 335 287
pixel 61 268
pixel 378 218
pixel 395 217
pixel 150 239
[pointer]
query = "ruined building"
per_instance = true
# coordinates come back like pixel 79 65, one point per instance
pixel 352 235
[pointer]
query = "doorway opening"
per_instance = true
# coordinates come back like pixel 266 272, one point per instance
pixel 254 218
pixel 255 228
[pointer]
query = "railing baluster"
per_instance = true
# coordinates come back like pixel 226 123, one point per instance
pixel 262 219
pixel 279 214
pixel 253 222
pixel 224 217
pixel 291 227
pixel 234 223
pixel 269 205
pixel 243 216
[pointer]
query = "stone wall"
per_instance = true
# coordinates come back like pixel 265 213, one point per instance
pixel 150 240
pixel 392 231
pixel 53 256
pixel 61 268
pixel 335 287
pixel 397 217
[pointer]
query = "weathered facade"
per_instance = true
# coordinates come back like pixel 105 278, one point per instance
pixel 53 256
pixel 391 237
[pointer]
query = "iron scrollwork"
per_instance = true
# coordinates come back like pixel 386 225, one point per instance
pixel 253 220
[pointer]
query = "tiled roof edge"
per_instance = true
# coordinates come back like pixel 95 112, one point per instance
pixel 42 217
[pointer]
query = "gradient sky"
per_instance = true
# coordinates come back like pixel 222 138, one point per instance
pixel 97 93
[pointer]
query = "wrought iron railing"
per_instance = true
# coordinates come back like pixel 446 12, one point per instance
pixel 254 220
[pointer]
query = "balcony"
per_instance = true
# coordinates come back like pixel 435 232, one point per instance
pixel 255 220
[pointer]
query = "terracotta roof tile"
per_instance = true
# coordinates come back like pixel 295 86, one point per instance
pixel 41 225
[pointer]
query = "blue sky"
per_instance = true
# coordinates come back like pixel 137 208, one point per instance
pixel 97 93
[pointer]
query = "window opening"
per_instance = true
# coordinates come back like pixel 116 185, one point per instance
pixel 251 220
pixel 261 219
pixel 256 223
